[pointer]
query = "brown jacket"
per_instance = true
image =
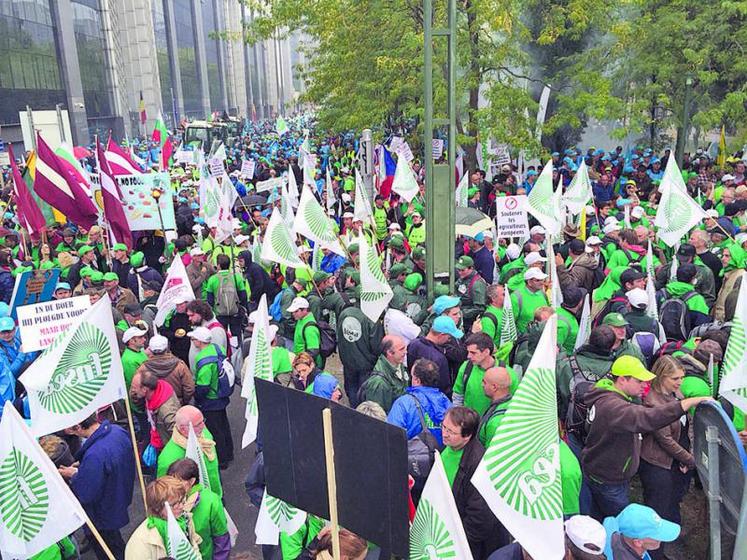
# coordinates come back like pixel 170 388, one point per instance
pixel 173 370
pixel 612 450
pixel 126 297
pixel 662 447
pixel 198 274
pixel 579 273
pixel 731 282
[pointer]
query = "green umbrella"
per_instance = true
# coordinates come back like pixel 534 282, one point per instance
pixel 470 221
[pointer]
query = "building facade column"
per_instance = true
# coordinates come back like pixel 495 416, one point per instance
pixel 222 54
pixel 173 50
pixel 200 56
pixel 248 73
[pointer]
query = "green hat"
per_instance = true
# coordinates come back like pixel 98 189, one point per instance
pixel 356 276
pixel 353 248
pixel 628 366
pixel 615 320
pixel 136 259
pixel 110 276
pixel 320 276
pixel 397 242
pixel 119 247
pixel 86 271
pixel 84 249
pixel 465 262
pixel 472 191
pixel 440 290
pixel 301 281
pixel 413 281
pixel 398 269
pixel 46 265
pixel 418 253
pixel 97 277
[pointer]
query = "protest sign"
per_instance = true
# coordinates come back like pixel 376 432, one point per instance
pixel 247 168
pixel 140 206
pixel 275 182
pixel 40 324
pixel 184 156
pixel 438 148
pixel 406 152
pixel 33 286
pixel 511 216
pixel 217 168
pixel 175 288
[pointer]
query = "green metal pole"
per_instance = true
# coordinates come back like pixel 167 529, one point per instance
pixel 452 22
pixel 430 211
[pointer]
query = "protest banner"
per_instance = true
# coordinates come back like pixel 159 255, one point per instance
pixel 184 156
pixel 247 168
pixel 33 286
pixel 511 216
pixel 275 182
pixel 40 324
pixel 217 168
pixel 438 148
pixel 140 206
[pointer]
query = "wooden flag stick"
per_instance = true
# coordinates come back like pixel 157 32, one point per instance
pixel 329 456
pixel 97 536
pixel 137 453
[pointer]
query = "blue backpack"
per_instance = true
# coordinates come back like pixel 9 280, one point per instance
pixel 274 309
pixel 226 373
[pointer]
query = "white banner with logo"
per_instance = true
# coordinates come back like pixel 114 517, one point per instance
pixel 42 323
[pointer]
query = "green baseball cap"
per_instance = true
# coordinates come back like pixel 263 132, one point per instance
pixel 465 262
pixel 97 277
pixel 86 271
pixel 398 269
pixel 136 259
pixel 353 248
pixel 119 247
pixel 397 242
pixel 356 276
pixel 418 253
pixel 320 276
pixel 111 276
pixel 615 320
pixel 628 366
pixel 84 249
pixel 413 281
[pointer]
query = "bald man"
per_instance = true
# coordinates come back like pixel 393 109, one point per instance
pixel 496 384
pixel 176 448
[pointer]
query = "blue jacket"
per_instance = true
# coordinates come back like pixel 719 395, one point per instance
pixel 484 263
pixel 12 359
pixel 7 282
pixel 602 193
pixel 7 389
pixel 332 262
pixel 106 476
pixel 434 404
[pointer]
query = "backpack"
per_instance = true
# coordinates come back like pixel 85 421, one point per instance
pixel 607 309
pixel 227 296
pixel 421 452
pixel 522 338
pixel 648 344
pixel 274 310
pixel 327 337
pixel 576 416
pixel 674 315
pixel 226 373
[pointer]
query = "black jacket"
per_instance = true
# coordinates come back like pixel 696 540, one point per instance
pixel 259 281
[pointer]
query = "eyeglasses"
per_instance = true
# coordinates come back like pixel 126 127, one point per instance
pixel 450 431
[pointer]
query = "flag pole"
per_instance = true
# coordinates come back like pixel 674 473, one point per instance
pixel 329 456
pixel 135 450
pixel 97 536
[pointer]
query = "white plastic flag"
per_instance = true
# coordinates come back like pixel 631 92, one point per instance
pixel 175 286
pixel 733 385
pixel 543 202
pixel 277 245
pixel 508 322
pixel 404 184
pixel 675 263
pixel 179 546
pixel 37 508
pixel 584 325
pixel 461 195
pixel 626 216
pixel 362 209
pixel 281 126
pixel 677 212
pixel 711 373
pixel 194 451
pixel 77 374
pixel 652 309
pixel 579 191
pixel 375 291
pixel 519 475
pixel 257 365
pixel 313 222
pixel 292 188
pixel 329 192
pixel 309 170
pixel 275 515
pixel 286 205
pixel 437 532
pixel 556 294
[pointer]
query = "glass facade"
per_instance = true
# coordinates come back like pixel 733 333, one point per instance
pixel 164 67
pixel 29 72
pixel 211 53
pixel 187 61
pixel 91 44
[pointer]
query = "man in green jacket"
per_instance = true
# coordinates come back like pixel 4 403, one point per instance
pixel 389 379
pixel 306 337
pixel 133 355
pixel 491 319
pixel 573 301
pixel 468 386
pixel 358 346
pixel 683 288
pixel 529 297
pixel 471 289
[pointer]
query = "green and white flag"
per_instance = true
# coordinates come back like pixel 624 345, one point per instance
pixel 316 258
pixel 584 325
pixel 314 223
pixel 37 508
pixel 711 374
pixel 519 475
pixel 375 290
pixel 280 126
pixel 508 321
pixel 179 547
pixel 652 308
pixel 329 192
pixel 292 189
pixel 404 184
pixel 544 203
pixel 210 198
pixel 556 294
pixel 257 365
pixel 286 206
pixel 309 170
pixel 677 212
pixel 362 210
pixel 462 192
pixel 278 245
pixel 437 532
pixel 194 451
pixel 77 374
pixel 275 515
pixel 579 191
pixel 733 385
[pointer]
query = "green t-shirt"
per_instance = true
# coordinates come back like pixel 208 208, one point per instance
pixel 570 479
pixel 309 340
pixel 567 330
pixel 490 327
pixel 487 429
pixel 213 284
pixel 293 545
pixel 172 452
pixel 474 396
pixel 209 519
pixel 451 459
pixel 132 360
pixel 524 302
pixel 281 362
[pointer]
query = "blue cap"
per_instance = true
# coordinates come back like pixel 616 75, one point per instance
pixel 8 324
pixel 554 154
pixel 634 156
pixel 4 309
pixel 531 173
pixel 194 206
pixel 480 237
pixel 445 325
pixel 637 521
pixel 62 286
pixel 325 385
pixel 443 303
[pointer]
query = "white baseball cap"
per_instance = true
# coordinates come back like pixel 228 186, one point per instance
pixel 348 215
pixel 345 197
pixel 239 239
pixel 610 220
pixel 196 252
pixel 394 226
pixel 637 212
pixel 158 343
pixel 533 258
pixel 537 230
pixel 182 298
pixel 272 333
pixel 131 333
pixel 202 334
pixel 637 297
pixel 609 228
pixel 711 213
pixel 727 177
pixel 298 303
pixel 534 274
pixel 513 251
pixel 587 534
pixel 593 240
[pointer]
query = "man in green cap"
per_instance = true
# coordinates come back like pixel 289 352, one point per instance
pixel 120 297
pixel 86 258
pixel 141 272
pixel 418 260
pixel 398 251
pixel 397 275
pixel 324 301
pixel 622 346
pixel 121 263
pixel 471 289
pixel 414 303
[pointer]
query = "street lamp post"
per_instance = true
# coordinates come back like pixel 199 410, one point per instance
pixel 156 193
pixel 682 136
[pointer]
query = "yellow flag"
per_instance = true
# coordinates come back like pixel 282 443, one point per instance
pixel 721 159
pixel 582 225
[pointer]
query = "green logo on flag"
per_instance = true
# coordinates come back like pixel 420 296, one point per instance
pixel 184 551
pixel 318 222
pixel 677 212
pixel 81 372
pixel 24 499
pixel 280 512
pixel 429 537
pixel 281 243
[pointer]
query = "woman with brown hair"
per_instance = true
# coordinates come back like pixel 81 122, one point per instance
pixel 304 372
pixel 352 547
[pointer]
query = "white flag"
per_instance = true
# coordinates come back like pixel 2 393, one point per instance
pixel 194 452
pixel 579 191
pixel 362 209
pixel 179 546
pixel 78 374
pixel 404 184
pixel 309 170
pixel 733 386
pixel 677 212
pixel 257 365
pixel 543 202
pixel 37 508
pixel 508 321
pixel 210 198
pixel 329 192
pixel 278 245
pixel 281 126
pixel 286 206
pixel 314 223
pixel 556 294
pixel 292 188
pixel 584 325
pixel 176 285
pixel 462 190
pixel 437 532
pixel 375 290
pixel 652 309
pixel 519 475
pixel 274 516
